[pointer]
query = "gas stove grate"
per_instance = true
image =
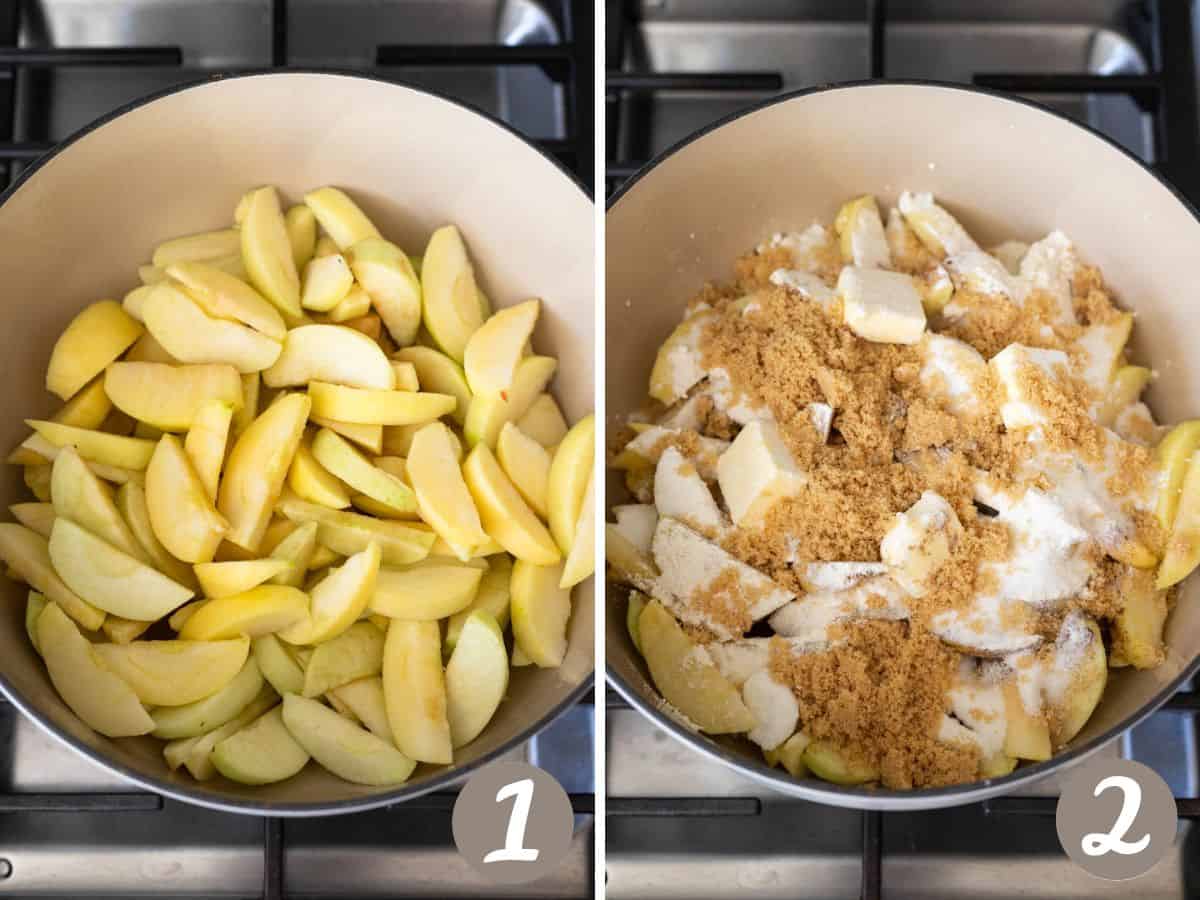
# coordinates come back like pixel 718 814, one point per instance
pixel 568 64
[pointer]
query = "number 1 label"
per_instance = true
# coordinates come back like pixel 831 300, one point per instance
pixel 514 849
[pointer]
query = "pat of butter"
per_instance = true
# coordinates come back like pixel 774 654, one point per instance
pixel 1019 409
pixel 756 471
pixel 920 541
pixel 881 306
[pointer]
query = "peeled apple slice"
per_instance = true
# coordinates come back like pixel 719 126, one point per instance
pixel 101 699
pixel 109 579
pixel 37 517
pixel 364 698
pixel 386 274
pixel 488 412
pixel 313 482
pixel 173 673
pixel 426 591
pixel 331 353
pixel 77 494
pixel 570 472
pixel 195 719
pixel 131 501
pixel 223 296
pixel 343 748
pixel 261 753
pixel 224 579
pixel 505 516
pixel 327 279
pixel 257 466
pixel 451 305
pixel 301 227
pixel 35 605
pixel 28 554
pixel 442 494
pixel 265 609
pixel 190 335
pixel 181 512
pixel 295 550
pixel 526 463
pixel 122 631
pixel 438 373
pixel 369 437
pixel 337 456
pixel 1173 456
pixel 693 686
pixel 476 678
pixel 1182 552
pixel 97 446
pixel 339 600
pixel 277 665
pixel 355 653
pixel 267 251
pixel 493 351
pixel 370 407
pixel 540 611
pixel 339 217
pixel 170 397
pixel 828 763
pixel 343 532
pixel 96 336
pixel 414 690
pixel 544 421
pixel 206 245
pixel 196 752
pixel 581 561
pixel 1086 689
pixel 492 596
pixel 87 409
pixel 206 443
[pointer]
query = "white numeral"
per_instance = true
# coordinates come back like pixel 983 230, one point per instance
pixel 1098 843
pixel 514 849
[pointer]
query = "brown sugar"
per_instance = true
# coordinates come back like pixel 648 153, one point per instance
pixel 879 696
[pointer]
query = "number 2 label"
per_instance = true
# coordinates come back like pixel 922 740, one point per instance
pixel 1098 843
pixel 514 849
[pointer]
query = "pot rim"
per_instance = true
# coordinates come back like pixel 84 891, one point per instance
pixel 813 789
pixel 197 794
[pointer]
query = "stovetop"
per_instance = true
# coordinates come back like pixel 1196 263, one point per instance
pixel 679 825
pixel 67 827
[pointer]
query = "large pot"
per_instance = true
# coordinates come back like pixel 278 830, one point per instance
pixel 1009 169
pixel 77 225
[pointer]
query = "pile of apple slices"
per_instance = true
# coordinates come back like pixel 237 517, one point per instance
pixel 255 534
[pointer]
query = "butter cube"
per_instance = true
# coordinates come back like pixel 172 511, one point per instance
pixel 1012 368
pixel 756 471
pixel 920 541
pixel 881 306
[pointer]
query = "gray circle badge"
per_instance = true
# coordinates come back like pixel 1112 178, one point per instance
pixel 1116 818
pixel 512 822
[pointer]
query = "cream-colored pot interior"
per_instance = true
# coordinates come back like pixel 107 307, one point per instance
pixel 1007 169
pixel 78 227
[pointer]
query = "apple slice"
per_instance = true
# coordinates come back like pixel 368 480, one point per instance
pixel 196 752
pixel 385 273
pixel 406 376
pixel 206 442
pixel 181 513
pixel 1026 736
pixel 1173 455
pixel 372 407
pixel 206 245
pixel 493 351
pixel 581 561
pixel 339 600
pixel 692 685
pixel 170 397
pixel 451 302
pixel 426 591
pixel 1087 686
pixel 224 579
pixel 633 615
pixel 355 304
pixel 339 217
pixel 301 227
pixel 505 516
pixel 267 251
pixel 96 336
pixel 261 610
pixel 544 421
pixel 327 279
pixel 97 446
pixel 488 412
pixel 190 335
pixel 570 473
pixel 476 678
pixel 1182 552
pixel 223 296
pixel 437 372
pixel 77 494
pixel 313 482
pixel 109 579
pixel 147 349
pixel 37 479
pixel 349 752
pixel 491 596
pixel 830 764
pixel 277 666
pixel 336 455
pixel 414 690
pixel 35 605
pixel 369 437
pixel 263 752
pixel 38 517
pixel 101 699
pixel 251 389
pixel 173 673
pixel 257 467
pixel 526 463
pixel 296 550
pixel 195 719
pixel 87 409
pixel 364 698
pixel 540 610
pixel 332 353
pixel 355 653
pixel 131 501
pixel 442 494
pixel 400 543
